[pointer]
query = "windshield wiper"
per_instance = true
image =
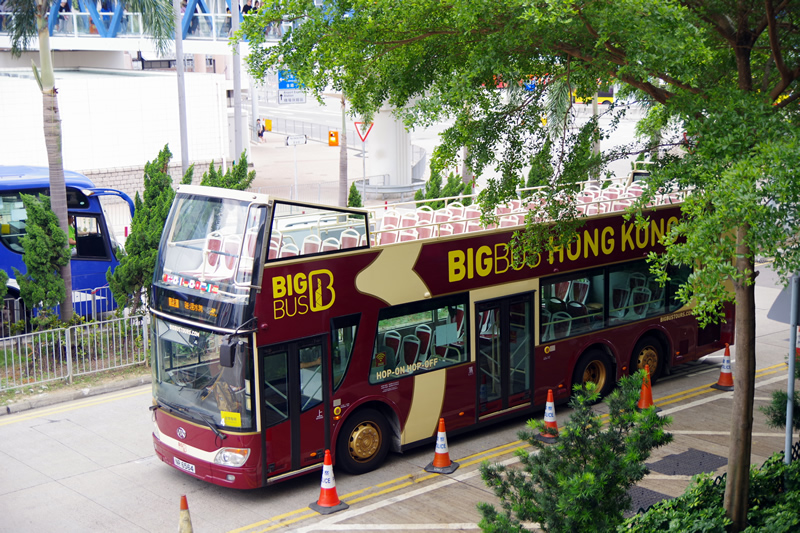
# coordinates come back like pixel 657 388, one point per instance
pixel 177 408
pixel 210 423
pixel 169 406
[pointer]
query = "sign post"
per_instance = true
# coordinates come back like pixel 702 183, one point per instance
pixel 294 140
pixel 289 90
pixel 363 131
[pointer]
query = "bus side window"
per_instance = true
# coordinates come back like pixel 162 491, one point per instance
pixel 419 337
pixel 89 238
pixel 276 387
pixel 343 341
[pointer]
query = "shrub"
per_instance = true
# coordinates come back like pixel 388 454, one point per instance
pixel 581 482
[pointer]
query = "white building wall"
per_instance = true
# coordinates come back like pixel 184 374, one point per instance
pixel 113 119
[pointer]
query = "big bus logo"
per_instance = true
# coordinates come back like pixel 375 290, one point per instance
pixel 298 294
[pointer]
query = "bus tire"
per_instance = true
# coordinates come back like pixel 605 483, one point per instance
pixel 594 366
pixel 363 442
pixel 648 352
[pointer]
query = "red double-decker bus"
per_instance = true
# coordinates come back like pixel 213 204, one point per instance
pixel 282 329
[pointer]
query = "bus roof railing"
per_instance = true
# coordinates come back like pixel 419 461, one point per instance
pixel 410 220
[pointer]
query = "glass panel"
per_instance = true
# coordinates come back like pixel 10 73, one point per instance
pixel 344 336
pixel 489 346
pixel 630 294
pixel 419 337
pixel 571 305
pixel 519 348
pixel 677 277
pixel 306 230
pixel 86 238
pixel 190 379
pixel 310 376
pixel 276 387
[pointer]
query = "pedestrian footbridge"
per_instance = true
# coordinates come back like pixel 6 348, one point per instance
pixel 108 26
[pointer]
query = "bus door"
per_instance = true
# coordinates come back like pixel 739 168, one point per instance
pixel 294 385
pixel 505 353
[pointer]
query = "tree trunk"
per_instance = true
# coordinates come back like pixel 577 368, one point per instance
pixel 343 191
pixel 738 477
pixel 466 173
pixel 52 140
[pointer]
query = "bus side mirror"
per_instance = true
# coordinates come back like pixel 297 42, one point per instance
pixel 227 353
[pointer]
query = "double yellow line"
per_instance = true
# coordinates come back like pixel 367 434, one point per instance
pixel 16 418
pixel 706 389
pixel 381 489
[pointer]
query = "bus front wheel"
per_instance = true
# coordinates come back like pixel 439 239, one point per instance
pixel 363 442
pixel 594 367
pixel 648 352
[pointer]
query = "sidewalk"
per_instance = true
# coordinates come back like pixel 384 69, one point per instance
pixel 274 162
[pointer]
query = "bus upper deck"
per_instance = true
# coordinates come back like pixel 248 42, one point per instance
pixel 307 229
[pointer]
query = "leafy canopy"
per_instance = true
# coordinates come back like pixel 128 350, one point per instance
pixel 723 72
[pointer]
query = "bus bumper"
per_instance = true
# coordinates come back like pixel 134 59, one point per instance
pixel 245 477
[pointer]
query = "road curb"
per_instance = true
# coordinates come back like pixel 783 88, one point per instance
pixel 47 399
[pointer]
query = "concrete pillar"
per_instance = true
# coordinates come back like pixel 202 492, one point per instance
pixel 389 149
pixel 199 62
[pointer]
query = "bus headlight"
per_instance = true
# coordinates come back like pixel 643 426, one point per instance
pixel 232 456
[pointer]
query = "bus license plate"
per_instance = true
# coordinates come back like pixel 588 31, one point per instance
pixel 183 465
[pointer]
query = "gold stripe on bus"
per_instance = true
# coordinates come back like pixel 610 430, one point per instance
pixel 505 411
pixel 426 404
pixel 391 276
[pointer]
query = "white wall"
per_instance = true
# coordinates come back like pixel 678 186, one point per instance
pixel 113 119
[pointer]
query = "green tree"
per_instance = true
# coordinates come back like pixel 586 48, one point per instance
pixel 354 200
pixel 235 177
pixel 29 21
pixel 3 284
pixel 580 483
pixel 434 190
pixel 776 410
pixel 131 280
pixel 541 171
pixel 45 252
pixel 724 73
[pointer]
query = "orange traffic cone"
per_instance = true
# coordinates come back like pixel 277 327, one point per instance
pixel 725 376
pixel 441 460
pixel 549 421
pixel 646 396
pixel 185 524
pixel 329 501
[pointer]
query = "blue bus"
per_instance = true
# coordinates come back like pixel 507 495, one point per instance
pixel 95 244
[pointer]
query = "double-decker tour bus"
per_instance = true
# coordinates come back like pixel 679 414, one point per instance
pixel 95 246
pixel 281 329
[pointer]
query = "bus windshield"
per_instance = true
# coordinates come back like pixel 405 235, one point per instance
pixel 190 379
pixel 208 254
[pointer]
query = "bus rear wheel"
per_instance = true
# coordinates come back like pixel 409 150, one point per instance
pixel 594 367
pixel 363 442
pixel 648 352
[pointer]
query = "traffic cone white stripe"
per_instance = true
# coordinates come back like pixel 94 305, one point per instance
pixel 328 501
pixel 441 463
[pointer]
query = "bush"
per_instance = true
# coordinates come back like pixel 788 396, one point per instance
pixel 774 504
pixel 581 482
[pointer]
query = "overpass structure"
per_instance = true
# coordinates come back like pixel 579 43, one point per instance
pixel 206 29
pixel 104 35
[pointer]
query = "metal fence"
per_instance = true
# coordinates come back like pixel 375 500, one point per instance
pixel 62 354
pixel 315 132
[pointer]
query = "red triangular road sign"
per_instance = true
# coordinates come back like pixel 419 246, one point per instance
pixel 363 135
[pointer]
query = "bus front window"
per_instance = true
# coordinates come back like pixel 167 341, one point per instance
pixel 190 380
